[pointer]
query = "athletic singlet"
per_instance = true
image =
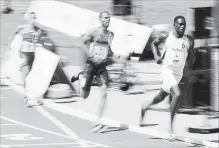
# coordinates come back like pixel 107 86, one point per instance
pixel 30 37
pixel 175 52
pixel 99 45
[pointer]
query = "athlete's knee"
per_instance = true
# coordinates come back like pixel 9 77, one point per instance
pixel 176 94
pixel 175 91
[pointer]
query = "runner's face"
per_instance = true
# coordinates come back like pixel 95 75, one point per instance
pixel 32 18
pixel 180 26
pixel 105 20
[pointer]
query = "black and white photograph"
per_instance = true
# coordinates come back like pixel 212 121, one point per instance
pixel 109 74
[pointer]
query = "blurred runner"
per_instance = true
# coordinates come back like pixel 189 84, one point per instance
pixel 177 50
pixel 30 36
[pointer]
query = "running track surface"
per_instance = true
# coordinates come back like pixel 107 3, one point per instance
pixel 43 127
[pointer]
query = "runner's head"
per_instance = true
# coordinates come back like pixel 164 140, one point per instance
pixel 104 18
pixel 179 25
pixel 31 17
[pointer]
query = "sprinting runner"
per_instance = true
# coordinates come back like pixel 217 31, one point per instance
pixel 178 51
pixel 31 36
pixel 99 41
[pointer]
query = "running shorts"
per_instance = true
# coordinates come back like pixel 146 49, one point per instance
pixel 170 79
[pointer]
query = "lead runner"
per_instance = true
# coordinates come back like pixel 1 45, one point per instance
pixel 178 51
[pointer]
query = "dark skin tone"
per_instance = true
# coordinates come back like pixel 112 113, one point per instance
pixel 104 20
pixel 178 32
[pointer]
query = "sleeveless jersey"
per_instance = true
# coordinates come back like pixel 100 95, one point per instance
pixel 99 45
pixel 30 37
pixel 175 53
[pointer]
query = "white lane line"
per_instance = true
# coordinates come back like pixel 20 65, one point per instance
pixel 44 144
pixel 60 125
pixel 51 132
pixel 64 128
pixel 136 129
pixel 82 115
pixel 89 117
pixel 7 124
pixel 79 114
pixel 18 88
pixel 36 128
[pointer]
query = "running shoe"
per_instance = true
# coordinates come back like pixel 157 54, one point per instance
pixel 33 102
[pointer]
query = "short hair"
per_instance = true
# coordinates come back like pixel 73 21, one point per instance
pixel 178 17
pixel 101 13
pixel 32 13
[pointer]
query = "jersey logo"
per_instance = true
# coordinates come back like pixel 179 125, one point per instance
pixel 175 61
pixel 183 45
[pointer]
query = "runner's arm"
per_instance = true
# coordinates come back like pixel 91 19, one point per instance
pixel 47 42
pixel 191 53
pixel 37 38
pixel 112 56
pixel 86 39
pixel 111 53
pixel 154 46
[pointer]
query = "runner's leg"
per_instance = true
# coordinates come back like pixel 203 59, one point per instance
pixel 146 105
pixel 102 80
pixel 85 80
pixel 175 92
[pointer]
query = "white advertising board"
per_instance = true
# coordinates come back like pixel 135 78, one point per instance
pixel 74 21
pixel 40 76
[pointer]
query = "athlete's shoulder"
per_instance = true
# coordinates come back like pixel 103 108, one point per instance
pixel 25 30
pixel 22 29
pixel 18 31
pixel 163 35
pixel 90 32
pixel 190 39
pixel 94 30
